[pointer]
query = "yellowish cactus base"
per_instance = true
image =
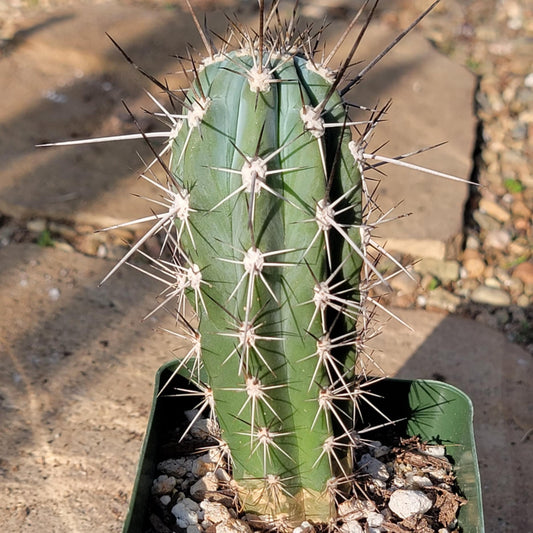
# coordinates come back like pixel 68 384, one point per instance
pixel 270 501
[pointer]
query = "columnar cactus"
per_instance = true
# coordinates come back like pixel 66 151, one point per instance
pixel 267 193
pixel 267 234
pixel 269 230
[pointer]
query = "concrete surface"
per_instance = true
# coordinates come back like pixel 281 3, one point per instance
pixel 76 372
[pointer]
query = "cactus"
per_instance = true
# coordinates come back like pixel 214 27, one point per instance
pixel 262 176
pixel 268 235
pixel 269 246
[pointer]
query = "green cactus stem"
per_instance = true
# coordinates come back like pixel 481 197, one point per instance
pixel 263 174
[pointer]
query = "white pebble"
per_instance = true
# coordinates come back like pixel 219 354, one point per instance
pixel 406 503
pixel 186 513
pixel 54 294
pixel 398 482
pixel 435 450
pixel 304 527
pixel 376 469
pixel 165 499
pixel 173 467
pixel 215 512
pixel 163 484
pixel 374 519
pixel 497 239
pixel 421 481
pixel 352 526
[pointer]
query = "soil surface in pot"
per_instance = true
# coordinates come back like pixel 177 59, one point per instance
pixel 400 485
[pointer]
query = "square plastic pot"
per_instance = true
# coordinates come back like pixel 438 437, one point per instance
pixel 437 412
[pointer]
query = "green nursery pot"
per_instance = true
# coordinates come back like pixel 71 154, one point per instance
pixel 435 411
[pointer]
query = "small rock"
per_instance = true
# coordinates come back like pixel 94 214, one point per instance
pixel 494 210
pixel 421 300
pixel 497 239
pixel 215 512
pixel 490 295
pixel 485 221
pixel 355 509
pixel 186 513
pixel 524 272
pixel 173 467
pixel 398 482
pixel 472 243
pixel 54 293
pixel 205 463
pixel 37 225
pixel 445 271
pixel 205 484
pixel 304 527
pixel 194 529
pixel 418 482
pixel 165 499
pixel 101 251
pixel 502 317
pixel 406 503
pixel 163 484
pixel 520 209
pixel 473 264
pixel 352 526
pixel 493 282
pixel 435 450
pixel 374 519
pixel 442 299
pixel 523 300
pixel 202 427
pixel 233 525
pixel 63 246
pixel 521 225
pixel 514 286
pixel 374 468
pixel 222 475
pixel 379 450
